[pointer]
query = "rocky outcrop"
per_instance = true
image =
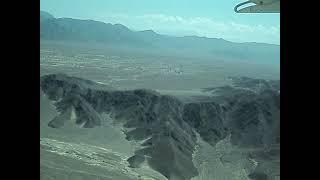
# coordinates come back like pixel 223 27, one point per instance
pixel 166 127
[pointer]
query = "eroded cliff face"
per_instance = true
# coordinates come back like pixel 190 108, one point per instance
pixel 166 128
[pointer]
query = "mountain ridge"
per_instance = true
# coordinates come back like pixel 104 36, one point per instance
pixel 248 112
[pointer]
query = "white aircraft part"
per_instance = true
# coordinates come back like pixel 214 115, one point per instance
pixel 260 6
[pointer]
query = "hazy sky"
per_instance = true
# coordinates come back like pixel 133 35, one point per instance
pixel 210 18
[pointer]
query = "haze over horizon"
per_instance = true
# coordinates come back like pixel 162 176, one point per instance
pixel 190 18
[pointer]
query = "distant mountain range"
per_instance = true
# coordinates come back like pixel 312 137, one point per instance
pixel 44 16
pixel 68 29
